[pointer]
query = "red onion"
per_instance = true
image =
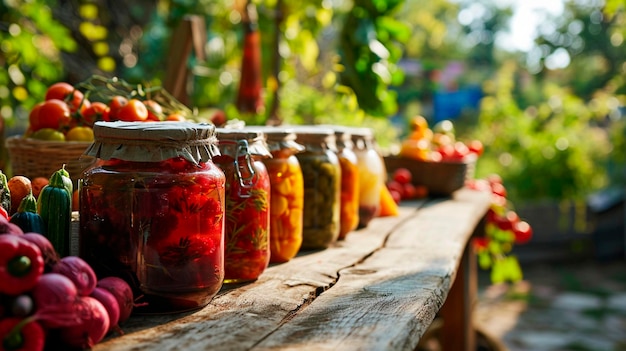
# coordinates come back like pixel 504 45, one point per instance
pixel 54 295
pixel 50 256
pixel 79 272
pixel 110 303
pixel 123 294
pixel 93 326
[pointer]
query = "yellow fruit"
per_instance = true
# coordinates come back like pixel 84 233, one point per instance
pixel 79 134
pixel 48 134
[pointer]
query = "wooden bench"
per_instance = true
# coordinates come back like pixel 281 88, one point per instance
pixel 380 289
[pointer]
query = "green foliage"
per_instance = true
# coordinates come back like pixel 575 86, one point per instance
pixel 550 150
pixel 30 55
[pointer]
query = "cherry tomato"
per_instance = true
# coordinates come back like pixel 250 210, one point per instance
pixel 97 111
pixel 402 176
pixel 392 185
pixel 133 111
pixel 80 133
pixel 116 103
pixel 53 114
pixel 155 111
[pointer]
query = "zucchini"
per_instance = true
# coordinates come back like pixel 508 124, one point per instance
pixel 5 193
pixel 27 217
pixel 55 207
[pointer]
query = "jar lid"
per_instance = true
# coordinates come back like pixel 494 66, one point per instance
pixel 228 141
pixel 279 138
pixel 153 141
pixel 315 135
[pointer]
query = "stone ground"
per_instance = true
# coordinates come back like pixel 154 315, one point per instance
pixel 562 306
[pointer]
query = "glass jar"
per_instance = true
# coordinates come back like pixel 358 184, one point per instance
pixel 349 213
pixel 371 174
pixel 246 235
pixel 322 182
pixel 152 212
pixel 287 195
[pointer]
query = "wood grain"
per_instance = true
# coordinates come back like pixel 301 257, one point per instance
pixel 377 290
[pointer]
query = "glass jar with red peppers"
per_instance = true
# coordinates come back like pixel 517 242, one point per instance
pixel 152 212
pixel 322 186
pixel 287 192
pixel 372 174
pixel 247 250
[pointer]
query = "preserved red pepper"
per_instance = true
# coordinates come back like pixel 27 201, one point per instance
pixel 152 212
pixel 246 252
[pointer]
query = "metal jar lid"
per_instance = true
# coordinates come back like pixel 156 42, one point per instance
pixel 229 142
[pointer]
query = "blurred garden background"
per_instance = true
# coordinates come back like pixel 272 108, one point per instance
pixel 548 105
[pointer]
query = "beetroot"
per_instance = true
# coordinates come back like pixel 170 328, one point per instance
pixel 123 294
pixel 79 272
pixel 50 256
pixel 54 296
pixel 93 326
pixel 110 303
pixel 7 227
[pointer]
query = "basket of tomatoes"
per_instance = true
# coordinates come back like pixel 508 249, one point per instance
pixel 60 127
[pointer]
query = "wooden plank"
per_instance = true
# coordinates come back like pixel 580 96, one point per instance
pixel 387 301
pixel 378 289
pixel 238 318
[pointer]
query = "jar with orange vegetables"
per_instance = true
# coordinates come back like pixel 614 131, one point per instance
pixel 372 174
pixel 287 193
pixel 349 217
pixel 152 212
pixel 322 186
pixel 246 234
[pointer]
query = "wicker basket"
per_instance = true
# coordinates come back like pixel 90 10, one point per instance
pixel 441 178
pixel 38 158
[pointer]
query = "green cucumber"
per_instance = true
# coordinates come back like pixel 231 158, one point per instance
pixel 55 207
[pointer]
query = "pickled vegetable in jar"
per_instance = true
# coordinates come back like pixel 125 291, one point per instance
pixel 152 212
pixel 349 217
pixel 322 186
pixel 371 174
pixel 246 235
pixel 287 193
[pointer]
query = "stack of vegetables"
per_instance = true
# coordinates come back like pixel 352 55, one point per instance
pixel 46 296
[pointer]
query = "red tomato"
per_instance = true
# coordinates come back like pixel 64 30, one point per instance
pixel 498 189
pixel 116 103
pixel 523 232
pixel 476 146
pixel 460 150
pixel 97 111
pixel 66 92
pixel 410 192
pixel 392 185
pixel 175 117
pixel 155 111
pixel 52 114
pixel 33 117
pixel 133 111
pixel 447 152
pixel 402 176
pixel 397 197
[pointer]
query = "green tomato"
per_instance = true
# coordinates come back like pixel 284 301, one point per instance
pixel 48 134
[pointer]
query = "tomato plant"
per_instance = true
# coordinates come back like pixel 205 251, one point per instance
pixel 74 98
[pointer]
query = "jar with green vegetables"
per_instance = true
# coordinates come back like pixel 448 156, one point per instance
pixel 246 234
pixel 322 186
pixel 152 212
